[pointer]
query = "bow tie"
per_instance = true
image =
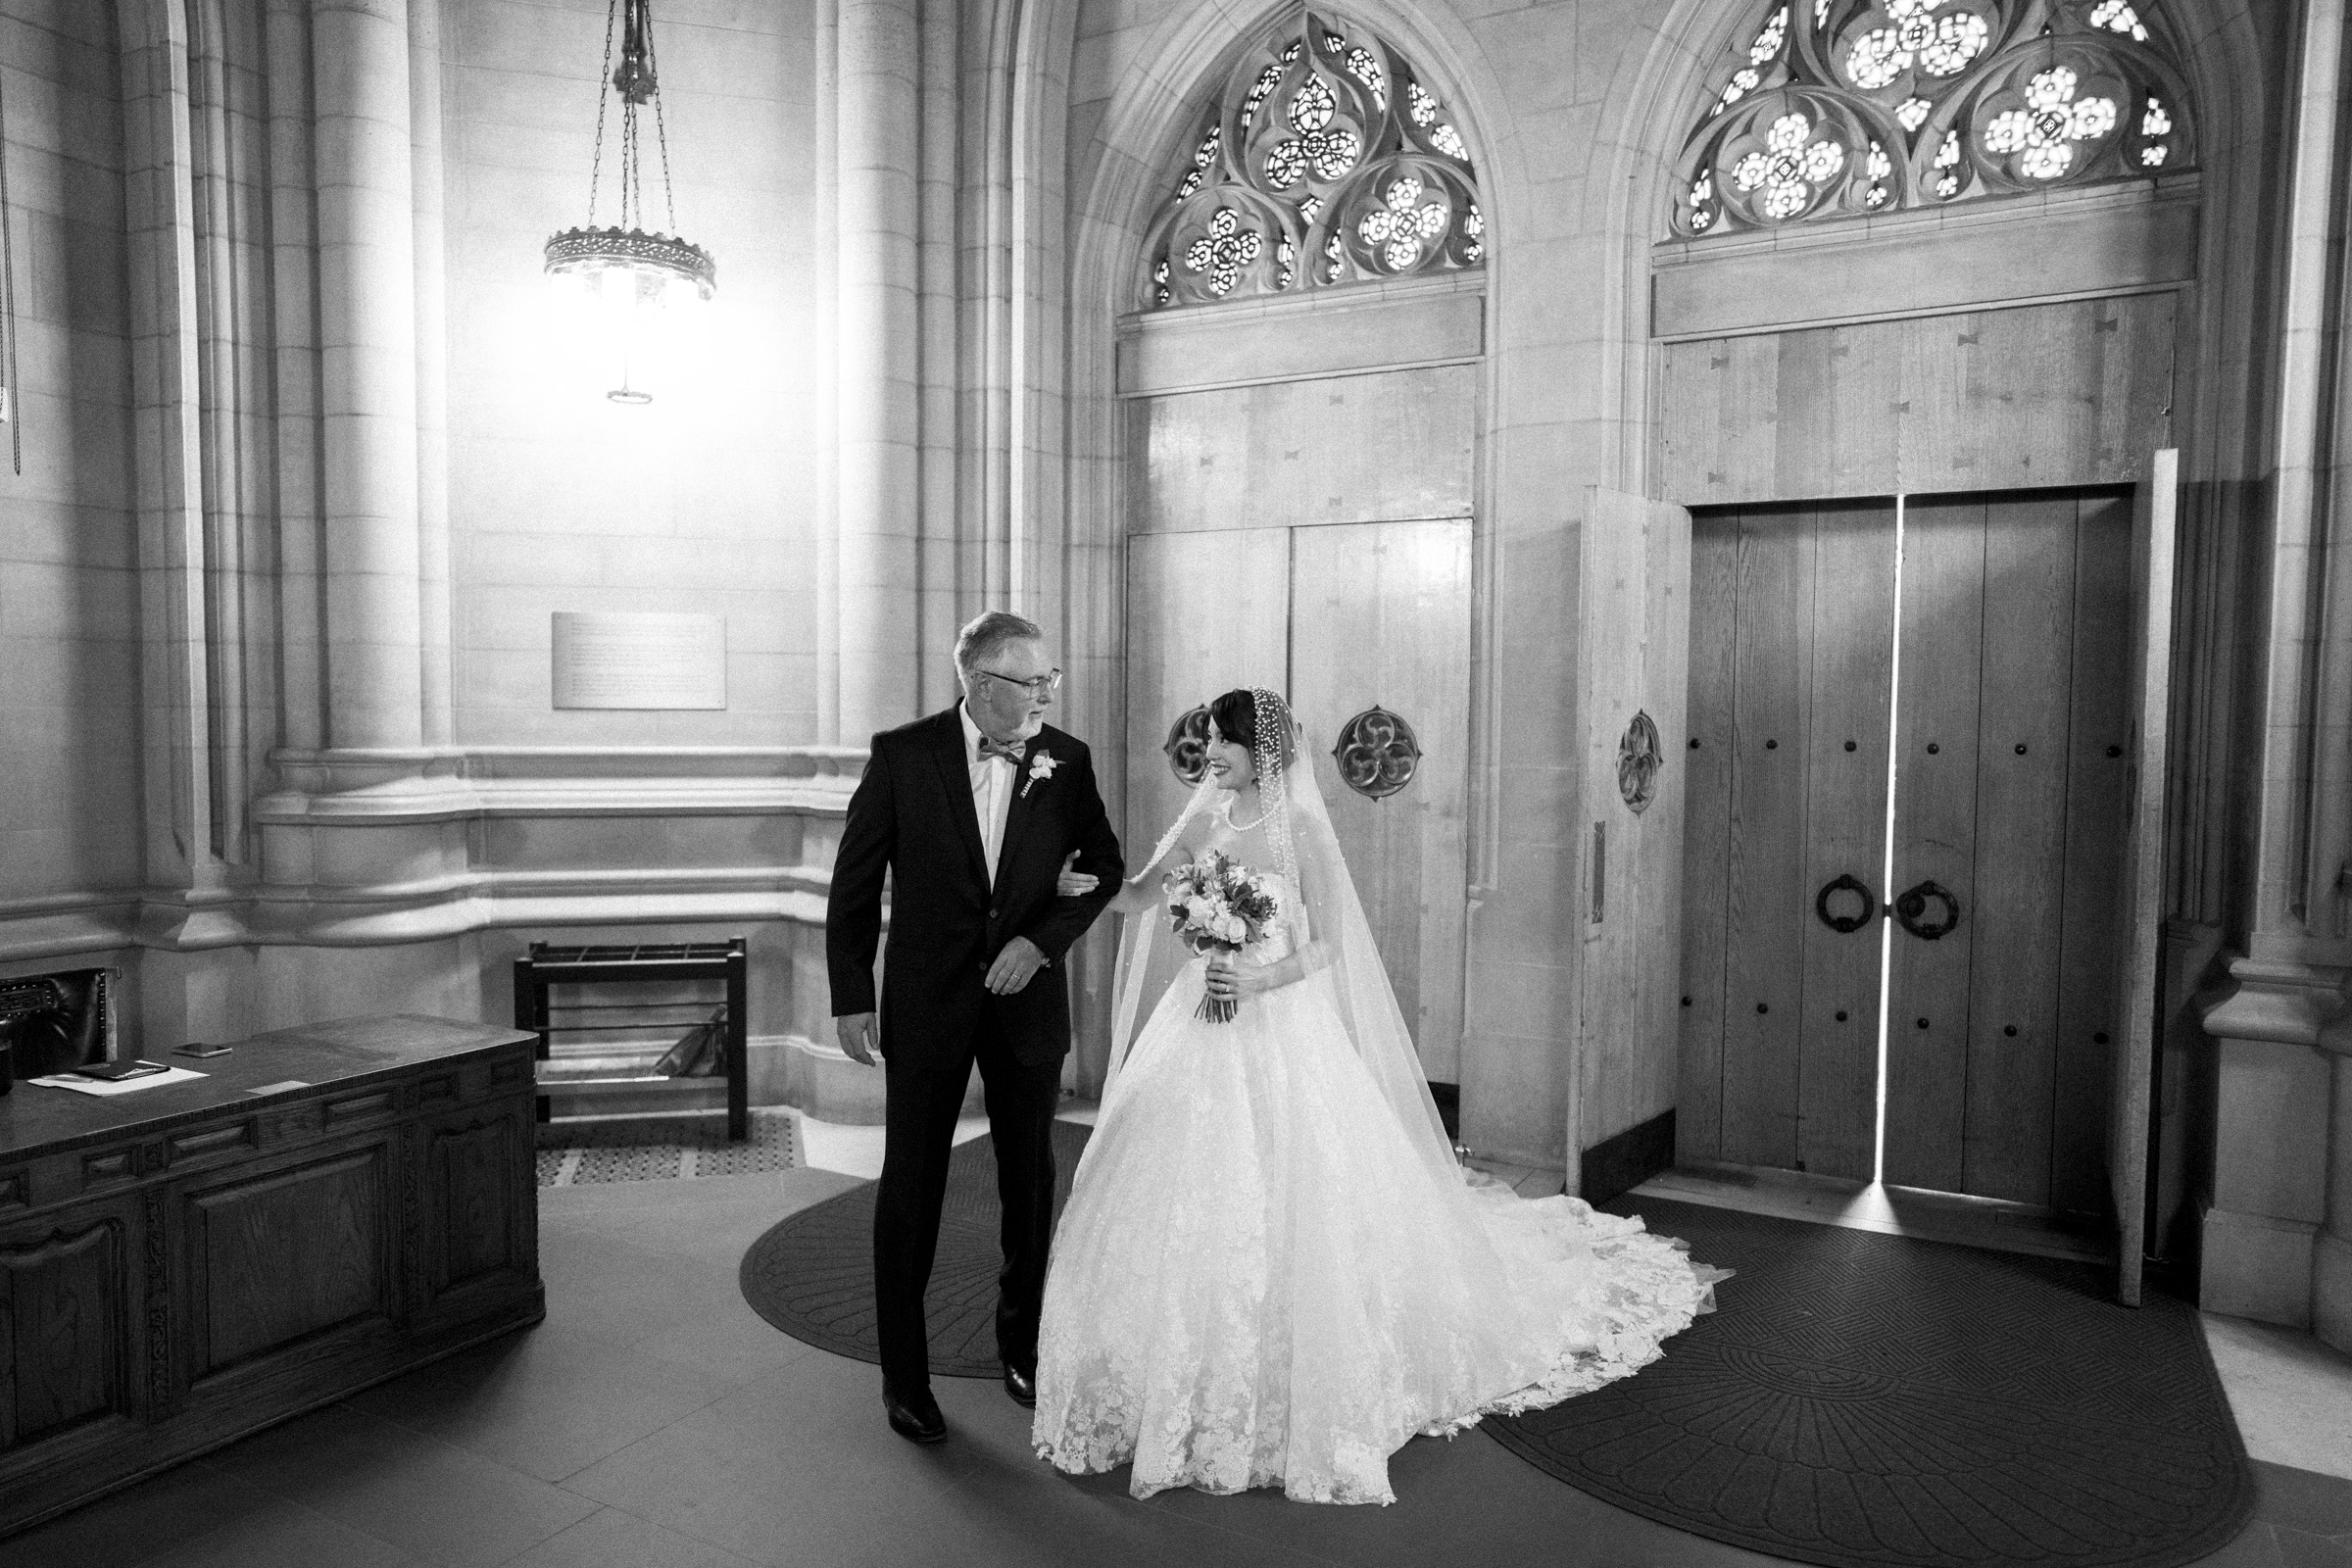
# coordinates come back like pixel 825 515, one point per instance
pixel 1012 752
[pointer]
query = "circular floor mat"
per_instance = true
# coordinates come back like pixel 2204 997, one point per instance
pixel 1862 1401
pixel 813 1274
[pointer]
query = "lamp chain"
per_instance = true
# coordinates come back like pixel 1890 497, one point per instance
pixel 604 88
pixel 660 126
pixel 632 183
pixel 643 67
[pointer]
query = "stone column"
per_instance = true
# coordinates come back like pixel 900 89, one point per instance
pixel 168 435
pixel 878 553
pixel 2331 1249
pixel 368 338
pixel 2277 1234
pixel 432 371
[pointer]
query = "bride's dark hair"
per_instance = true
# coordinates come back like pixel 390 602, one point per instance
pixel 1236 716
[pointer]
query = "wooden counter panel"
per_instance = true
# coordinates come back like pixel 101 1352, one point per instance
pixel 184 1265
pixel 276 1258
pixel 471 1170
pixel 64 1300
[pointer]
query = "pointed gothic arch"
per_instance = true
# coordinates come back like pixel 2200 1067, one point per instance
pixel 1840 108
pixel 1323 160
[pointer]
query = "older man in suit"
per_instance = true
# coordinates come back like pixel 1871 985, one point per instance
pixel 974 812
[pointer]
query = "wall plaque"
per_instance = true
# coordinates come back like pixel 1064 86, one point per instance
pixel 639 660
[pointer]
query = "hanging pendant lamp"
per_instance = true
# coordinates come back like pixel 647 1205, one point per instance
pixel 621 293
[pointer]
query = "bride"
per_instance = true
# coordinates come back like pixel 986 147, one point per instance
pixel 1271 1271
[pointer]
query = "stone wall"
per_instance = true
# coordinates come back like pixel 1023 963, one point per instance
pixel 70 589
pixel 561 500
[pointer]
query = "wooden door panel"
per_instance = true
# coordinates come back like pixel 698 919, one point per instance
pixel 1205 613
pixel 1845 834
pixel 1337 449
pixel 1706 833
pixel 1654 863
pixel 1380 616
pixel 2098 731
pixel 1934 837
pixel 1633 655
pixel 2024 715
pixel 1765 860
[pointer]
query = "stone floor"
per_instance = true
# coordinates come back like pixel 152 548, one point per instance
pixel 654 1422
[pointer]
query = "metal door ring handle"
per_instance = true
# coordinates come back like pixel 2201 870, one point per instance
pixel 1844 882
pixel 1911 904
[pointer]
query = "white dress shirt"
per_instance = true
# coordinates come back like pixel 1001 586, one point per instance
pixel 992 790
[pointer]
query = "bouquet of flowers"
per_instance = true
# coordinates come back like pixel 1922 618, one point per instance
pixel 1218 905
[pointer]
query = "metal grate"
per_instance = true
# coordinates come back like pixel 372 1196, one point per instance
pixel 661 1149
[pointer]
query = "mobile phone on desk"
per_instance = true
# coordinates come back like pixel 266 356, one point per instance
pixel 114 1071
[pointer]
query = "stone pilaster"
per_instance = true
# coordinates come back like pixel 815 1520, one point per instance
pixel 2277 1234
pixel 433 372
pixel 367 340
pixel 878 553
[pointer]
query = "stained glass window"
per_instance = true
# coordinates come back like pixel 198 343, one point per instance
pixel 1325 162
pixel 1863 105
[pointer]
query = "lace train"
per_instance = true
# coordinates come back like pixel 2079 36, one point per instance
pixel 1257 1284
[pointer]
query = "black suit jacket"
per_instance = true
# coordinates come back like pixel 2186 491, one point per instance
pixel 913 815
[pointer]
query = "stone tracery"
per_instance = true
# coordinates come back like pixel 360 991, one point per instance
pixel 1845 107
pixel 1325 162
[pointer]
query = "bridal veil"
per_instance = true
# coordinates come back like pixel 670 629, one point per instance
pixel 1335 934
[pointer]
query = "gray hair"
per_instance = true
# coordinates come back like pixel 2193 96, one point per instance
pixel 985 635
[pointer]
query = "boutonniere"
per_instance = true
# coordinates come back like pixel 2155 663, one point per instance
pixel 1041 766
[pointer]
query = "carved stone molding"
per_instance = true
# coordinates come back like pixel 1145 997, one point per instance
pixel 362 846
pixel 2286 1004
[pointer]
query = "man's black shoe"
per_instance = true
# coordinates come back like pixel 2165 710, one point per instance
pixel 1023 1385
pixel 915 1417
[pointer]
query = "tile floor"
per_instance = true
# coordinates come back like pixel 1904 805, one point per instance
pixel 654 1422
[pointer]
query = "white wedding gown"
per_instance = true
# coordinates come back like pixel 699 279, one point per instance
pixel 1257 1283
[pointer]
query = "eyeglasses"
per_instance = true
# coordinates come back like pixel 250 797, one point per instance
pixel 1045 685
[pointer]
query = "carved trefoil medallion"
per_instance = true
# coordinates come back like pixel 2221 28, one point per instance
pixel 1638 759
pixel 1187 747
pixel 1377 754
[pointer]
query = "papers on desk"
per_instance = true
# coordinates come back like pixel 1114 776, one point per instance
pixel 120 1085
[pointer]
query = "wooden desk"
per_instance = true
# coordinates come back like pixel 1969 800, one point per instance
pixel 186 1264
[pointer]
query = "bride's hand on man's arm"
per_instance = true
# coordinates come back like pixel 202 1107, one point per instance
pixel 1134 894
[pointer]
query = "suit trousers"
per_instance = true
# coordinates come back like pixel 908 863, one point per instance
pixel 920 1137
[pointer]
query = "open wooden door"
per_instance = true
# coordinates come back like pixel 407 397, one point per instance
pixel 2142 860
pixel 1634 635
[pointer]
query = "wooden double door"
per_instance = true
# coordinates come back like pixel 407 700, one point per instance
pixel 1910 751
pixel 1341 617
